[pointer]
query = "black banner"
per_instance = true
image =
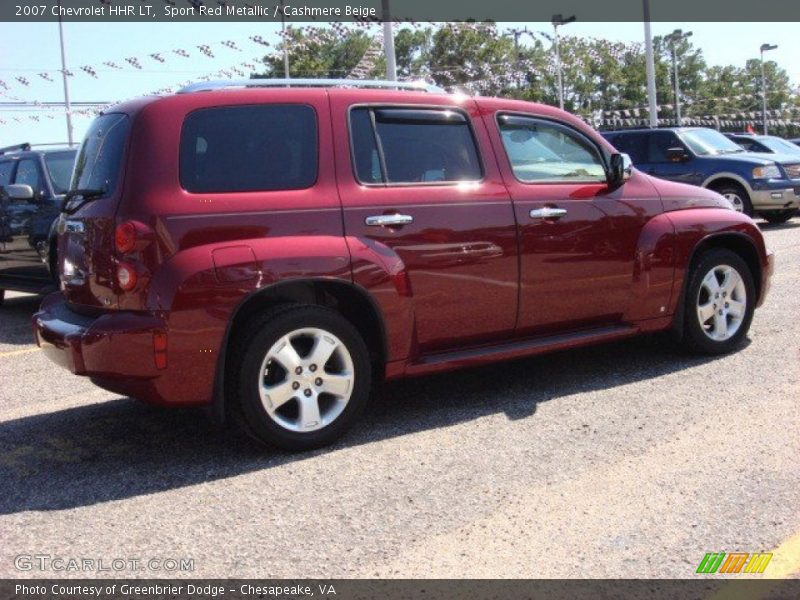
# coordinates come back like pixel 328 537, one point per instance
pixel 400 10
pixel 716 588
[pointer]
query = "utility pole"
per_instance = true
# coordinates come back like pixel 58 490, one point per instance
pixel 675 37
pixel 764 48
pixel 388 42
pixel 651 67
pixel 67 105
pixel 285 44
pixel 557 21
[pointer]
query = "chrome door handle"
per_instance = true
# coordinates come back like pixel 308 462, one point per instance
pixel 548 212
pixel 389 220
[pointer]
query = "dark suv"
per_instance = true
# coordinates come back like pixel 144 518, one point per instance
pixel 270 250
pixel 767 185
pixel 32 186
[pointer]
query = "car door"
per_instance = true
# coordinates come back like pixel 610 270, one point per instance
pixel 420 188
pixel 659 164
pixel 19 257
pixel 578 238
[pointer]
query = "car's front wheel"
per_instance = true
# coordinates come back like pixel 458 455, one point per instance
pixel 302 376
pixel 720 301
pixel 737 196
pixel 777 217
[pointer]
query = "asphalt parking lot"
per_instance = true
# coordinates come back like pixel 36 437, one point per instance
pixel 626 460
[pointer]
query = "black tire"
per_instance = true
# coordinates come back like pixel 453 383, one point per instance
pixel 776 217
pixel 734 189
pixel 2 297
pixel 695 337
pixel 248 355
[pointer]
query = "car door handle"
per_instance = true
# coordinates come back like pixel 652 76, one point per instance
pixel 389 220
pixel 548 212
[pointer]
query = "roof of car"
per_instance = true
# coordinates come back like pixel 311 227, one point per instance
pixel 651 129
pixel 34 149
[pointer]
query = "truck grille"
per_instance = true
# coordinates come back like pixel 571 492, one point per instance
pixel 793 171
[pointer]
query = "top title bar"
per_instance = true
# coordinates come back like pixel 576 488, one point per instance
pixel 310 11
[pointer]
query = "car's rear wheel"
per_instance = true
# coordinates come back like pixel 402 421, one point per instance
pixel 720 301
pixel 737 196
pixel 302 376
pixel 778 216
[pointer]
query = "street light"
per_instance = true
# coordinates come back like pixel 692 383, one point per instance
pixel 650 66
pixel 675 37
pixel 67 106
pixel 764 48
pixel 557 21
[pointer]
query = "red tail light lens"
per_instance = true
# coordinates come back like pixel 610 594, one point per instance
pixel 125 237
pixel 126 276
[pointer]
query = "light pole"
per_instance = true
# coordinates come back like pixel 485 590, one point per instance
pixel 557 21
pixel 675 37
pixel 285 43
pixel 764 48
pixel 388 42
pixel 650 66
pixel 67 105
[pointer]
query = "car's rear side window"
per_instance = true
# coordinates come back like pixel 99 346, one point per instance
pixel 249 148
pixel 632 144
pixel 409 145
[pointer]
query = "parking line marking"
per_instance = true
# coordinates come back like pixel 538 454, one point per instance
pixel 15 352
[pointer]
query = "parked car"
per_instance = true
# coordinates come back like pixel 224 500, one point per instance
pixel 767 144
pixel 767 186
pixel 271 251
pixel 32 185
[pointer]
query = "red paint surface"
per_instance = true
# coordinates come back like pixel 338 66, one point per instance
pixel 472 271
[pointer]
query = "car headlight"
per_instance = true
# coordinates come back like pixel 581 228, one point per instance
pixel 768 172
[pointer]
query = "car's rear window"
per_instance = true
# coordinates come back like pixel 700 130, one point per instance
pixel 59 167
pixel 97 166
pixel 249 148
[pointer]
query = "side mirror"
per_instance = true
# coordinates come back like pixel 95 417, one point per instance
pixel 19 191
pixel 677 154
pixel 620 170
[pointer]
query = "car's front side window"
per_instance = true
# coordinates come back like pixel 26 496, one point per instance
pixel 544 151
pixel 28 173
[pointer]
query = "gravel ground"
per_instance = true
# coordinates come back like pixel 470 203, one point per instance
pixel 626 460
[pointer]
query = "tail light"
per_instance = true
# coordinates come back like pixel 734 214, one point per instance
pixel 125 237
pixel 126 276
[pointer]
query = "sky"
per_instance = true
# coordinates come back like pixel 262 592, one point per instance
pixel 27 49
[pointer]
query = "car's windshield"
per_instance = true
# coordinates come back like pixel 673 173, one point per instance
pixel 59 167
pixel 708 141
pixel 779 145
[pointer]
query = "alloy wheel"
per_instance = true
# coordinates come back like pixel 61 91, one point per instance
pixel 306 380
pixel 735 200
pixel 721 303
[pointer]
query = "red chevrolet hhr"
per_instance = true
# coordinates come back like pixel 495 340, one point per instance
pixel 271 250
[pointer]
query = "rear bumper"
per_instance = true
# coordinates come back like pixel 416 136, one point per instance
pixel 114 349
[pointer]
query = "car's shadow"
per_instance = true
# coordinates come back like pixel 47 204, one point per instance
pixel 793 224
pixel 15 319
pixel 121 449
